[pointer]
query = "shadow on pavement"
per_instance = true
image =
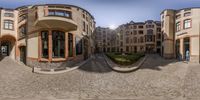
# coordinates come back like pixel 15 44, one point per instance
pixel 155 61
pixel 97 64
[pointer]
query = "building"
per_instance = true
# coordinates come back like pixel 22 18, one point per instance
pixel 181 32
pixel 139 37
pixel 132 37
pixel 46 35
pixel 104 39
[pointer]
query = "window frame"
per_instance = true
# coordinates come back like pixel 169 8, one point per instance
pixel 42 45
pixel 10 24
pixel 184 23
pixel 178 26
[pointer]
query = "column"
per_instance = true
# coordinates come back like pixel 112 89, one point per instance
pixel 74 46
pixel 50 45
pixel 39 46
pixel 181 48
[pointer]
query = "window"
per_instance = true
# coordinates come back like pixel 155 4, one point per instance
pixel 8 15
pixel 22 31
pixel 187 14
pixel 135 39
pixel 140 26
pixel 162 24
pixel 127 49
pixel 58 44
pixel 8 24
pixel 150 32
pixel 127 40
pixel 121 43
pixel 141 39
pixel 178 26
pixel 59 13
pixel 158 29
pixel 140 32
pixel 187 23
pixel 78 46
pixel 44 38
pixel 70 45
pixel 178 16
pixel 84 26
pixel 149 38
pixel 22 17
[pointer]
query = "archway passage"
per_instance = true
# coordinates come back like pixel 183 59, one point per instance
pixel 7 46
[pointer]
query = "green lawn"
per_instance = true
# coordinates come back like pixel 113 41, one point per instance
pixel 126 59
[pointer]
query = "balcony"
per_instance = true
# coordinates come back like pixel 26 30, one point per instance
pixel 55 19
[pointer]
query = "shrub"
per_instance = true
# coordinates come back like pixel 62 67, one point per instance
pixel 127 59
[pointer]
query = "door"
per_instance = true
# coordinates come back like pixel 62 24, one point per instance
pixel 5 49
pixel 186 45
pixel 23 54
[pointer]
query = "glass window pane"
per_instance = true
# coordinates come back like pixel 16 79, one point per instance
pixel 70 45
pixel 58 38
pixel 45 44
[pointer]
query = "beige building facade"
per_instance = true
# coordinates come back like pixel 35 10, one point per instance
pixel 47 35
pixel 181 32
pixel 104 39
pixel 132 37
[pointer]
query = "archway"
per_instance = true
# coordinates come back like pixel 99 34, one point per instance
pixel 7 46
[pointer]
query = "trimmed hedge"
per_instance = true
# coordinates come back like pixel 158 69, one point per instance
pixel 126 59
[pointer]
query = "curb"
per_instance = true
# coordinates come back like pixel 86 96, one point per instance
pixel 52 71
pixel 124 70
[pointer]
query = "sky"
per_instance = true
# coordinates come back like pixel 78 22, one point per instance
pixel 111 13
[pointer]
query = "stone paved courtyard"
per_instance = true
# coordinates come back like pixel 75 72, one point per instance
pixel 157 79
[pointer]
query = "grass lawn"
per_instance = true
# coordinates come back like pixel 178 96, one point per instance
pixel 126 59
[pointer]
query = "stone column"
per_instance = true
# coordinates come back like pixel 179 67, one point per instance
pixel 50 45
pixel 181 48
pixel 74 46
pixel 39 45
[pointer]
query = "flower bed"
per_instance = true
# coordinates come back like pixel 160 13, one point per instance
pixel 126 59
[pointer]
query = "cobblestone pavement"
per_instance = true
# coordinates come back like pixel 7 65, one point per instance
pixel 157 79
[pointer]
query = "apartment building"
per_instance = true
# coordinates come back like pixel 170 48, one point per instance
pixel 181 32
pixel 47 35
pixel 139 37
pixel 104 39
pixel 132 37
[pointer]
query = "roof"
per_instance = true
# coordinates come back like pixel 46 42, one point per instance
pixel 181 9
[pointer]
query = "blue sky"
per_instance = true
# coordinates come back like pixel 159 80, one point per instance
pixel 115 12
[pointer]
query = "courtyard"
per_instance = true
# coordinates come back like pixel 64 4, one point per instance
pixel 157 79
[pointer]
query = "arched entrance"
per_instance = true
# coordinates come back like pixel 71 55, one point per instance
pixel 7 46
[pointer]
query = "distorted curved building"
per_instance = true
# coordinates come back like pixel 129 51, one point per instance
pixel 181 32
pixel 47 34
